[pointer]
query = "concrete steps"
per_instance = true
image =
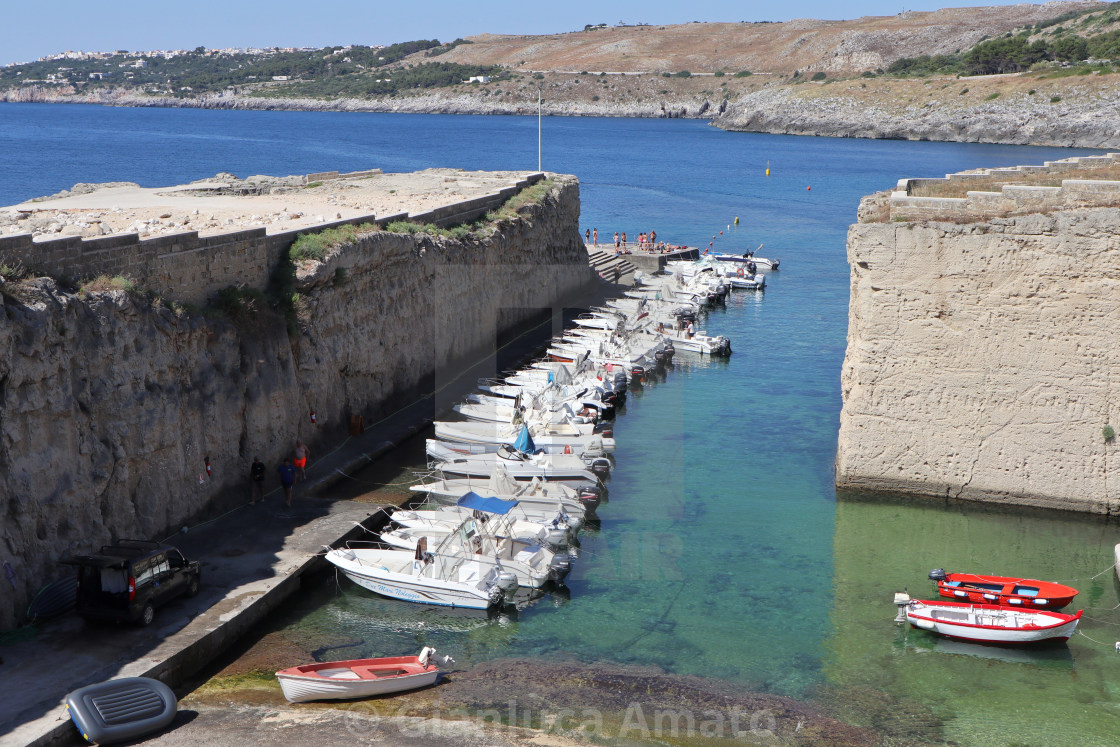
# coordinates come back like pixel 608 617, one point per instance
pixel 610 266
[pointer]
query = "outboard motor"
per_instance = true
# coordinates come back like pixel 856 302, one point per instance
pixel 590 498
pixel 503 585
pixel 937 574
pixel 604 429
pixel 774 264
pixel 601 466
pixel 637 373
pixel 559 567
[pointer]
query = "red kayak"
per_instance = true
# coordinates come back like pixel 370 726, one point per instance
pixel 1015 592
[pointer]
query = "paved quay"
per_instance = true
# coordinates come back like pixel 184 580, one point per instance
pixel 253 558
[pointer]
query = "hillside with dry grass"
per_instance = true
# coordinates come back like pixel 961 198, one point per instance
pixel 806 45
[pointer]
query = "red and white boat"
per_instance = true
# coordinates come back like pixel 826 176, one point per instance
pixel 358 678
pixel 1016 592
pixel 990 623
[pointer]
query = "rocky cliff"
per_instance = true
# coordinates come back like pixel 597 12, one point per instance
pixel 981 348
pixel 110 403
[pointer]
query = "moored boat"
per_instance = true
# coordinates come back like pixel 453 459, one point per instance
pixel 1008 590
pixel 358 678
pixel 990 623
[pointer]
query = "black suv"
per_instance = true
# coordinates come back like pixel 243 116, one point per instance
pixel 128 580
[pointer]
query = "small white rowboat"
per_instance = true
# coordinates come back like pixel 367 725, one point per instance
pixel 358 678
pixel 991 623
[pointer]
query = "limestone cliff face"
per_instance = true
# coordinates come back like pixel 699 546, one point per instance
pixel 982 359
pixel 110 405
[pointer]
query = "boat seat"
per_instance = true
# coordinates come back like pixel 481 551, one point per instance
pixel 340 673
pixel 469 573
pixel 375 672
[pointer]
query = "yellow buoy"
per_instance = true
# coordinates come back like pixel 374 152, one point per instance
pixel 736 220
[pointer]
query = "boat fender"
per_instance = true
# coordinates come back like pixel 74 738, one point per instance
pixel 991 597
pixel 923 624
pixel 1042 602
pixel 961 594
pixel 1015 601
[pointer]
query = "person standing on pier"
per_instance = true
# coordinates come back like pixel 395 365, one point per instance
pixel 287 475
pixel 300 452
pixel 595 237
pixel 256 481
pixel 616 242
pixel 587 236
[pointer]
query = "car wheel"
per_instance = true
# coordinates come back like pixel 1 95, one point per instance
pixel 148 614
pixel 192 586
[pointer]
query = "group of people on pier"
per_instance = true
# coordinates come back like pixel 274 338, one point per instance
pixel 647 242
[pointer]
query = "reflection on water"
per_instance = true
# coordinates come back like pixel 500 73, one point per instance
pixel 921 643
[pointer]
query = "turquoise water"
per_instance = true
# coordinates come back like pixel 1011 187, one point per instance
pixel 724 550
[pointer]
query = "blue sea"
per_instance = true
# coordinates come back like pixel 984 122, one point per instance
pixel 724 550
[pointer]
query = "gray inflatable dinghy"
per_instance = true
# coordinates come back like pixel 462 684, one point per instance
pixel 119 710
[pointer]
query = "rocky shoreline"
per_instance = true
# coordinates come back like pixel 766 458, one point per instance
pixel 1063 112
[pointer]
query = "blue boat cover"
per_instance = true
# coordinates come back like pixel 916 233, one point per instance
pixel 524 442
pixel 475 501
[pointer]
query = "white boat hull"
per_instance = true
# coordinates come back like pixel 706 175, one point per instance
pixel 990 624
pixel 300 689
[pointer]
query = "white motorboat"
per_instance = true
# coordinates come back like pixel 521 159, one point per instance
pixel 534 517
pixel 486 532
pixel 587 449
pixel 761 262
pixel 491 432
pixel 537 493
pixel 444 577
pixel 566 468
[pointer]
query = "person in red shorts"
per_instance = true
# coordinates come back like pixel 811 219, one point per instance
pixel 301 453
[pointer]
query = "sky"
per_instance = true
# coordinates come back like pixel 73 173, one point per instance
pixel 29 30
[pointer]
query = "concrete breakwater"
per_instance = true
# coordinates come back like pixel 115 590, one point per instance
pixel 981 338
pixel 114 403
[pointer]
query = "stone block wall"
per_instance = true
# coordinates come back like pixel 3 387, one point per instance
pixel 188 268
pixel 989 192
pixel 108 405
pixel 982 359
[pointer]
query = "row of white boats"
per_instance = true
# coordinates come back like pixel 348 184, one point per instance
pixel 522 469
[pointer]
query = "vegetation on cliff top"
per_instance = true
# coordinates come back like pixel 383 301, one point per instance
pixel 1057 40
pixel 350 70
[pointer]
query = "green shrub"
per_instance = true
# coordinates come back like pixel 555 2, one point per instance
pixel 1031 92
pixel 743 74
pixel 719 73
pixel 312 185
pixel 1109 433
pixel 315 246
pixel 963 91
pixel 1055 99
pixel 682 74
pixel 819 76
pixel 594 98
pixel 103 283
pixel 991 96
